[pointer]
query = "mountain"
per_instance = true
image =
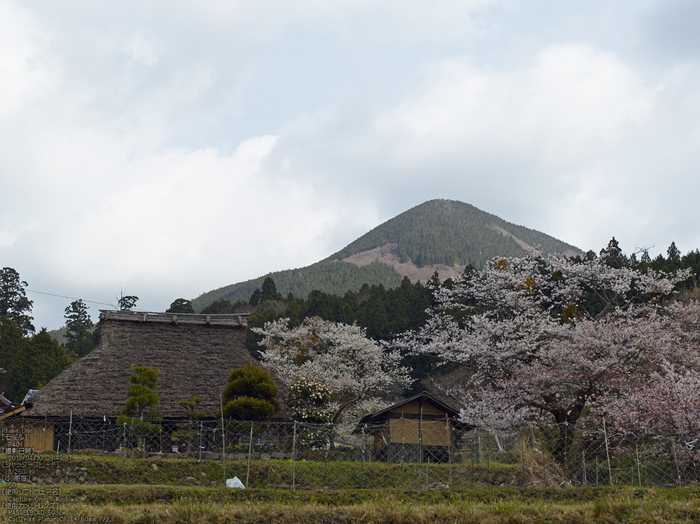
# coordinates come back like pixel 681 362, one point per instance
pixel 439 235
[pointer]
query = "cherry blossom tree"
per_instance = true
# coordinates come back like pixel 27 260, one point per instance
pixel 340 356
pixel 542 338
pixel 666 402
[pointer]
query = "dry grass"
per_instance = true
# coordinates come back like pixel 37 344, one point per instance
pixel 150 504
pixel 536 469
pixel 689 295
pixel 492 506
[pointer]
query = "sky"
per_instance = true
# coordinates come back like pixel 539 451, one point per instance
pixel 166 148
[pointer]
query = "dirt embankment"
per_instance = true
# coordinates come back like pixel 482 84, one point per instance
pixel 387 255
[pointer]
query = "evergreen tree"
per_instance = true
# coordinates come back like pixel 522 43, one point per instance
pixel 13 345
pixel 14 303
pixel 254 298
pixel 30 362
pixel 187 431
pixel 141 403
pixel 189 408
pixel 53 357
pixel 79 328
pixel 221 307
pixel 269 291
pixel 181 305
pixel 141 396
pixel 127 302
pixel 674 254
pixel 614 257
pixel 250 394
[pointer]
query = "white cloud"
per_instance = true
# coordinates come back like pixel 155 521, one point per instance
pixel 22 70
pixel 141 51
pixel 362 22
pixel 571 102
pixel 577 143
pixel 175 147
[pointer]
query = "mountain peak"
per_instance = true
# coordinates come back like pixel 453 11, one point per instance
pixel 452 233
pixel 438 235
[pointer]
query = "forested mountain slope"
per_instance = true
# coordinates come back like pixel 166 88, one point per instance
pixel 330 277
pixel 453 233
pixel 439 235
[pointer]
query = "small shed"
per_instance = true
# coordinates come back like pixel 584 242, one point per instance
pixel 418 429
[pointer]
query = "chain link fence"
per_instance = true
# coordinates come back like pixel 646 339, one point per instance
pixel 399 453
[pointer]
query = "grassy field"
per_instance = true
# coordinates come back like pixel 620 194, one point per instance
pixel 109 489
pixel 87 469
pixel 181 504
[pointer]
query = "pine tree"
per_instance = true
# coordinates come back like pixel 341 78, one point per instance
pixel 127 302
pixel 250 394
pixel 142 396
pixel 141 403
pixel 79 329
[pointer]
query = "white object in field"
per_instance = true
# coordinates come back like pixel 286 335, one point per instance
pixel 235 482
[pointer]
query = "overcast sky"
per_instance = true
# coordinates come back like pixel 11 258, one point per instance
pixel 166 148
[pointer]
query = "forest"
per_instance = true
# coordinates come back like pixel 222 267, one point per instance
pixel 385 313
pixel 30 359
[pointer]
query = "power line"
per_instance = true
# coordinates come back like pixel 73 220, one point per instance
pixel 70 298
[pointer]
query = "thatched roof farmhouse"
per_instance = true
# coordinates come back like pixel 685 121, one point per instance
pixel 195 354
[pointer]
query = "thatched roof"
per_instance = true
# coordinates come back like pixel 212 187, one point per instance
pixel 195 354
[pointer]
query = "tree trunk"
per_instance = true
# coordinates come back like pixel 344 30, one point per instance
pixel 565 438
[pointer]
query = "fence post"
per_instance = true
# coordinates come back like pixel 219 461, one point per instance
pixel 471 454
pixel 123 445
pixel 566 448
pixel 583 464
pixel 364 447
pixel 250 454
pixel 70 429
pixel 675 459
pixel 639 470
pixel 200 453
pixel 451 450
pixel 104 430
pixel 403 440
pixel 223 437
pixel 488 458
pixel 479 450
pixel 294 455
pixel 607 452
pixel 420 430
pixel 596 471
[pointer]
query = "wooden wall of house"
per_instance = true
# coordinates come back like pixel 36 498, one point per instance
pixel 23 434
pixel 407 431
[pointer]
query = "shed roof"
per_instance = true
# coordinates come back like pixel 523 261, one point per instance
pixel 424 396
pixel 195 354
